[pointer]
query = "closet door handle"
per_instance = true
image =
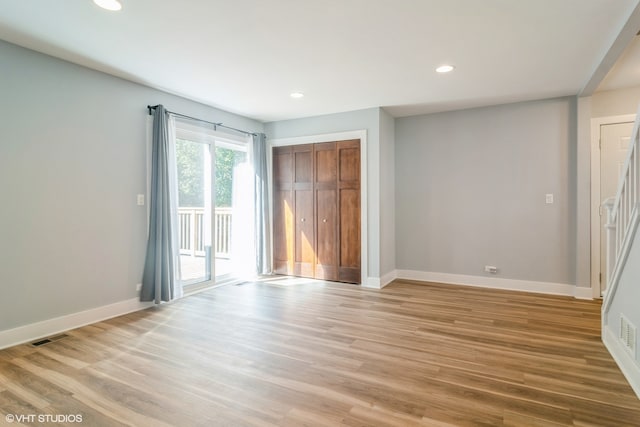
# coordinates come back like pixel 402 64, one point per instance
pixel 302 220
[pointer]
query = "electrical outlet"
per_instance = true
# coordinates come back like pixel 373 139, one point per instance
pixel 139 287
pixel 140 199
pixel 491 269
pixel 549 199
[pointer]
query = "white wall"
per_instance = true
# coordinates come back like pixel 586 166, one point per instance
pixel 615 102
pixel 583 196
pixel 387 197
pixel 470 192
pixel 72 159
pixel 332 123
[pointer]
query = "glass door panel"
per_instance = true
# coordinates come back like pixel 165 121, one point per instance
pixel 194 210
pixel 215 210
pixel 234 212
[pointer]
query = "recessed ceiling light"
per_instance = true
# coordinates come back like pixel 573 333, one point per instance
pixel 296 95
pixel 109 4
pixel 445 69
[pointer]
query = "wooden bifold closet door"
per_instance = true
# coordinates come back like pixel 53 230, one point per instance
pixel 317 210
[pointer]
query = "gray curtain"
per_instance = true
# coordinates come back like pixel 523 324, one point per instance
pixel 261 197
pixel 160 281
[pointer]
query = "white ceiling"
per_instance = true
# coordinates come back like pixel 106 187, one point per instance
pixel 246 56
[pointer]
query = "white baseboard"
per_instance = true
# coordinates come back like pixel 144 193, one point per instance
pixel 627 365
pixel 497 283
pixel 380 282
pixel 372 283
pixel 388 278
pixel 45 328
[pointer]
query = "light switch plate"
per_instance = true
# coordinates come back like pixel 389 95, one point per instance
pixel 549 199
pixel 140 199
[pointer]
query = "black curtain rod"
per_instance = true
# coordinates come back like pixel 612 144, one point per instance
pixel 153 107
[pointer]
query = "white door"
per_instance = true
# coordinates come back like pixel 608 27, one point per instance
pixel 614 145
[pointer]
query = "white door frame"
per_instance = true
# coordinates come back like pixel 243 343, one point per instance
pixel 330 137
pixel 596 124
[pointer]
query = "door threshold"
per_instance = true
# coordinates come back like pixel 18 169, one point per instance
pixel 283 280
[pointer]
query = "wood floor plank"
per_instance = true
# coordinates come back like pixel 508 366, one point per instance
pixel 320 354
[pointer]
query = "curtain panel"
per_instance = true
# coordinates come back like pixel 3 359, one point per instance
pixel 261 199
pixel 160 281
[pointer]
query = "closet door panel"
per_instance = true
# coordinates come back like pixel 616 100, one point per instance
pixel 349 162
pixel 282 166
pixel 326 165
pixel 327 234
pixel 304 234
pixel 283 210
pixel 349 266
pixel 283 232
pixel 303 164
pixel 303 230
pixel 325 186
pixel 349 211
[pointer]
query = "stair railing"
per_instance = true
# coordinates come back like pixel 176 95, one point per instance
pixel 623 215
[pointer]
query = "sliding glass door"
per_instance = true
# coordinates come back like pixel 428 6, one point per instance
pixel 234 211
pixel 215 207
pixel 194 163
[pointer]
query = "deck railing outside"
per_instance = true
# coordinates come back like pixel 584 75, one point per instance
pixel 191 222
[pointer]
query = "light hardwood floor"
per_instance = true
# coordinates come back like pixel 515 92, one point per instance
pixel 328 354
